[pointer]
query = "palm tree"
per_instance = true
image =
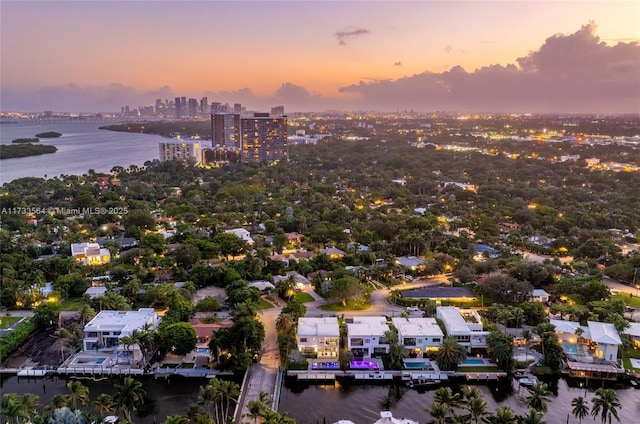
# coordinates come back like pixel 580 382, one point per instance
pixel 208 397
pixel 450 354
pixel 264 398
pixel 255 408
pixel 129 396
pixel 580 409
pixel 438 413
pixel 78 392
pixel 30 403
pixel 477 408
pixel 532 417
pixel 13 409
pixel 503 415
pixel 176 419
pixel 104 404
pixel 446 397
pixel 470 392
pixel 527 335
pixel 538 397
pixel 606 404
pixel 229 392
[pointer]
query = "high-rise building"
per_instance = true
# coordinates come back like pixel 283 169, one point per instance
pixel 264 138
pixel 225 130
pixel 188 151
pixel 179 107
pixel 193 108
pixel 204 107
pixel 237 108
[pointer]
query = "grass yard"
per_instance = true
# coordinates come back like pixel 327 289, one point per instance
pixel 633 301
pixel 352 305
pixel 72 304
pixel 265 304
pixel 6 321
pixel 303 297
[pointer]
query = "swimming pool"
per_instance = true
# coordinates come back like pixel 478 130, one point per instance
pixel 570 348
pixel 325 366
pixel 88 361
pixel 415 365
pixel 363 365
pixel 473 361
pixel 202 350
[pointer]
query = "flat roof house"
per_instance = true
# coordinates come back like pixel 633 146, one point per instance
pixel 90 253
pixel 318 336
pixel 465 325
pixel 365 336
pixel 104 331
pixel 418 335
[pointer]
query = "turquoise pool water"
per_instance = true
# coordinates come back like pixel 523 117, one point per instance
pixel 415 365
pixel 570 348
pixel 473 361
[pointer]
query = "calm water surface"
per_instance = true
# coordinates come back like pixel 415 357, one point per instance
pixel 312 404
pixel 170 396
pixel 82 147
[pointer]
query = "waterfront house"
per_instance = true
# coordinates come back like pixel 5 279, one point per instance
pixel 365 336
pixel 90 253
pixel 465 325
pixel 596 339
pixel 104 332
pixel 318 336
pixel 418 335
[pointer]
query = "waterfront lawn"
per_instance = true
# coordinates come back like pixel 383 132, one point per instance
pixel 264 304
pixel 303 297
pixel 7 321
pixel 352 305
pixel 485 368
pixel 72 304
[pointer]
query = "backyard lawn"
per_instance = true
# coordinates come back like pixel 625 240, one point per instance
pixel 352 305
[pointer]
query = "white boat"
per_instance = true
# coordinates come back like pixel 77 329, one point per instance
pixel 423 383
pixel 528 381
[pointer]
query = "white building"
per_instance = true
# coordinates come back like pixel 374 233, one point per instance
pixel 603 334
pixel 184 150
pixel 634 332
pixel 465 325
pixel 539 295
pixel 418 335
pixel 318 336
pixel 104 331
pixel 242 234
pixel 90 253
pixel 365 336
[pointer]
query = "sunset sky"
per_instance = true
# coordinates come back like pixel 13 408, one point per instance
pixel 500 56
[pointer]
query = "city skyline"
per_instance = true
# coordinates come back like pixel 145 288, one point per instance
pixel 477 56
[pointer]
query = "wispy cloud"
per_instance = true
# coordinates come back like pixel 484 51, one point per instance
pixel 350 33
pixel 397 63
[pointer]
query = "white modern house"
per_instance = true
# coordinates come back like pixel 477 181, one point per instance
pixel 90 253
pixel 365 336
pixel 601 339
pixel 465 325
pixel 318 336
pixel 418 335
pixel 104 331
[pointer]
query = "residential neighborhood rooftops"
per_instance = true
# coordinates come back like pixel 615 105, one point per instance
pixel 368 326
pixel 124 321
